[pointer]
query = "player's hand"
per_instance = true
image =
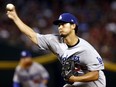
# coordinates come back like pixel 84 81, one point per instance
pixel 11 12
pixel 71 79
pixel 66 74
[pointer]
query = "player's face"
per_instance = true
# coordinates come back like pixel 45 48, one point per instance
pixel 65 29
pixel 26 62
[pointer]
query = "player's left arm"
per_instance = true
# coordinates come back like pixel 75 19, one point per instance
pixel 16 84
pixel 90 76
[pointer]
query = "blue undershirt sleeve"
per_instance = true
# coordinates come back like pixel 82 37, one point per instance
pixel 16 84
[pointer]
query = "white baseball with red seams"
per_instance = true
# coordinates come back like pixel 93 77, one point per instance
pixel 9 6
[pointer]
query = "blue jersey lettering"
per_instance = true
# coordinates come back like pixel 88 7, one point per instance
pixel 100 60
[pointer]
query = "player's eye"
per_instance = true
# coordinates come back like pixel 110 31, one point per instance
pixel 62 23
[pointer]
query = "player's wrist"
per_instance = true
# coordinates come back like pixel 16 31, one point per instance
pixel 16 18
pixel 72 78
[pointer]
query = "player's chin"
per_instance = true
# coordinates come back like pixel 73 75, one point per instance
pixel 63 35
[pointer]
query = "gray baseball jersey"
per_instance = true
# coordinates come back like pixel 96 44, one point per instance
pixel 83 53
pixel 30 77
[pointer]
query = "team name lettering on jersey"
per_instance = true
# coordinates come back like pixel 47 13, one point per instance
pixel 73 57
pixel 29 77
pixel 100 60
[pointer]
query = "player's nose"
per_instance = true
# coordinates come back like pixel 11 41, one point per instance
pixel 60 26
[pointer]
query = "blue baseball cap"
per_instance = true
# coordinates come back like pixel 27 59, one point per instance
pixel 25 53
pixel 66 17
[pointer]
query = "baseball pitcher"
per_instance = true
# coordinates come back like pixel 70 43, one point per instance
pixel 82 66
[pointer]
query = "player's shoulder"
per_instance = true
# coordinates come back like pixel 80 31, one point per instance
pixel 52 35
pixel 83 41
pixel 48 36
pixel 18 68
pixel 36 64
pixel 86 45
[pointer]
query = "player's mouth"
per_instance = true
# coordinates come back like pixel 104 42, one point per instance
pixel 60 31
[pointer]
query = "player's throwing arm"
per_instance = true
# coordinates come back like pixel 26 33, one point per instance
pixel 11 13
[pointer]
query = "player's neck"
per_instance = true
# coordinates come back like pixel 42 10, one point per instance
pixel 71 40
pixel 25 66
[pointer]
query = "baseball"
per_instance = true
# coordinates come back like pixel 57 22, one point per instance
pixel 9 6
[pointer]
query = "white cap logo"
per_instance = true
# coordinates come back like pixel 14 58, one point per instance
pixel 72 20
pixel 60 17
pixel 23 53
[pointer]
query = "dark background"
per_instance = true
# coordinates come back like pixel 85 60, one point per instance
pixel 97 24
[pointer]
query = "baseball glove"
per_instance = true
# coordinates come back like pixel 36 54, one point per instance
pixel 68 69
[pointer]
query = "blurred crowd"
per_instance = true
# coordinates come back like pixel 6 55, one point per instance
pixel 97 22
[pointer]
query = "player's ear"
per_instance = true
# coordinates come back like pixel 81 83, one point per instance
pixel 73 26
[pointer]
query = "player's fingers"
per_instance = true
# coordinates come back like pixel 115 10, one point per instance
pixel 10 14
